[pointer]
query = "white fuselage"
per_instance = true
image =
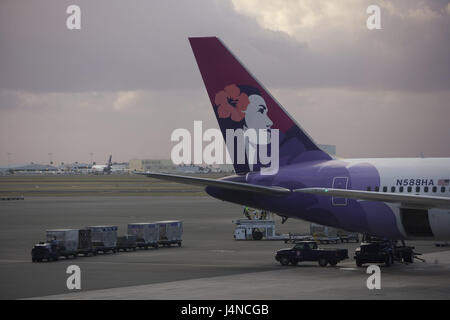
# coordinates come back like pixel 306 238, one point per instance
pixel 419 176
pixel 99 168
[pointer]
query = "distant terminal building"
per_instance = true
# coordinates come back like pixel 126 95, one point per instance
pixel 191 169
pixel 225 168
pixel 166 165
pixel 34 168
pixel 162 165
pixel 120 168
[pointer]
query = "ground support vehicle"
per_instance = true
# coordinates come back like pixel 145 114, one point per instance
pixel 380 250
pixel 85 242
pixel 60 243
pixel 104 239
pixel 349 237
pixel 308 251
pixel 147 234
pixel 127 242
pixel 170 232
pixel 44 251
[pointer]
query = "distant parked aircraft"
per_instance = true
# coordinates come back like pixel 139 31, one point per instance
pixel 102 168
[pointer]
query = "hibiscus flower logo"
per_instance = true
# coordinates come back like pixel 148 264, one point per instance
pixel 231 102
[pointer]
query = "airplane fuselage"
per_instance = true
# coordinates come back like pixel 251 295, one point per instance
pixel 423 176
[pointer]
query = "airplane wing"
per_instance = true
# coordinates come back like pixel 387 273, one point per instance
pixel 224 184
pixel 405 199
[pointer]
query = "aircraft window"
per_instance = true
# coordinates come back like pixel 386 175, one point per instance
pixel 377 188
pixel 400 189
pixel 409 189
pixel 434 189
pixel 417 189
pixel 392 189
pixel 442 189
pixel 384 189
pixel 369 188
pixel 425 189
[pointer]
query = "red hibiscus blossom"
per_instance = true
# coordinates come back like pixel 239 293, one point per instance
pixel 231 102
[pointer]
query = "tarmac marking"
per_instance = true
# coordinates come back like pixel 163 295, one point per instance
pixel 289 284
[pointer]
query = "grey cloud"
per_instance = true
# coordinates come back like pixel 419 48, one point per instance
pixel 143 45
pixel 128 78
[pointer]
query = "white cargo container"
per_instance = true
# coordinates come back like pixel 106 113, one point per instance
pixel 147 233
pixel 107 235
pixel 170 232
pixel 67 239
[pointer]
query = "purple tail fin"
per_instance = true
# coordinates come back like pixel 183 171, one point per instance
pixel 240 101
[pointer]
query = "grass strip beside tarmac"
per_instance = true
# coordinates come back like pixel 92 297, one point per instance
pixel 94 185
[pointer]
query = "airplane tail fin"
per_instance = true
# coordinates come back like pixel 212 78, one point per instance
pixel 240 101
pixel 110 161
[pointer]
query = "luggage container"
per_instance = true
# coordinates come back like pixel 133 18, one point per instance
pixel 66 241
pixel 85 242
pixel 127 242
pixel 104 238
pixel 147 234
pixel 170 232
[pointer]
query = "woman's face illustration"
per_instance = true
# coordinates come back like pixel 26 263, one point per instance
pixel 256 116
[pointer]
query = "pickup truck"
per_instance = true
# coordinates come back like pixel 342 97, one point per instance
pixel 308 251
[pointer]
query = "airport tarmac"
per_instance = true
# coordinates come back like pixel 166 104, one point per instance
pixel 209 265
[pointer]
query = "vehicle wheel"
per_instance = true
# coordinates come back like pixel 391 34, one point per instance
pixel 359 263
pixel 179 244
pixel 409 258
pixel 294 263
pixel 257 235
pixel 33 260
pixel 333 263
pixel 323 262
pixel 56 258
pixel 284 261
pixel 389 261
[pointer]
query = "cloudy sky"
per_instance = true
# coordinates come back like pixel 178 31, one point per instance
pixel 128 78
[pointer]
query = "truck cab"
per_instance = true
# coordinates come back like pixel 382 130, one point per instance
pixel 44 251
